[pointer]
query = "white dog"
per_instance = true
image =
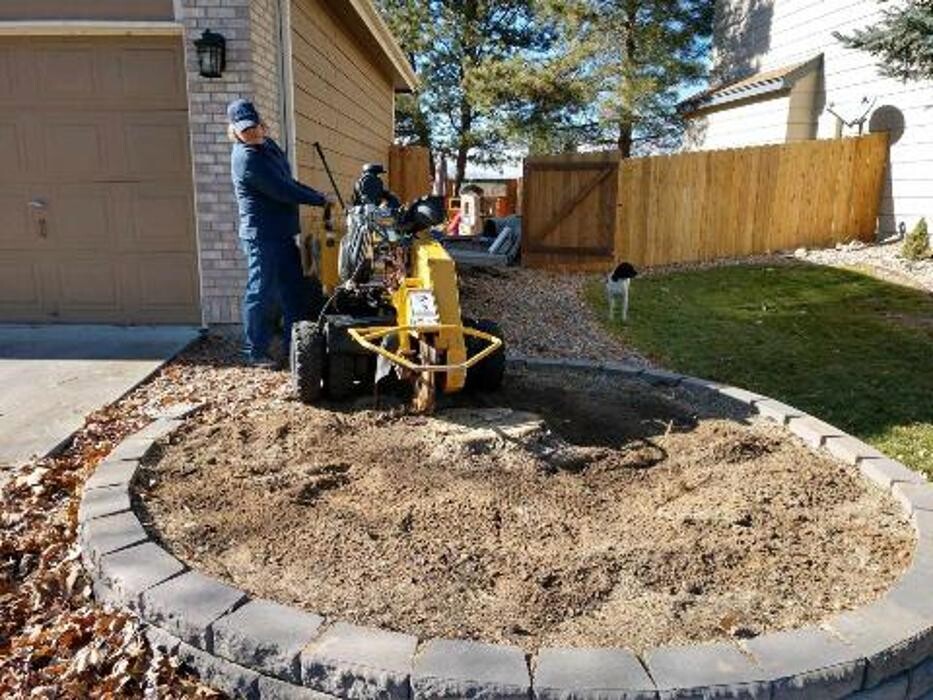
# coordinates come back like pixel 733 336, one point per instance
pixel 617 284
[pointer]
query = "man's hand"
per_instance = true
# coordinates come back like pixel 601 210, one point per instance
pixel 330 199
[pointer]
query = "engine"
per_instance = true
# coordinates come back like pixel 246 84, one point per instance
pixel 379 231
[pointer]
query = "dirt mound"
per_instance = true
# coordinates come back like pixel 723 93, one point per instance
pixel 565 510
pixel 739 448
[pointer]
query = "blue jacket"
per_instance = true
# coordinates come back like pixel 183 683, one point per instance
pixel 267 195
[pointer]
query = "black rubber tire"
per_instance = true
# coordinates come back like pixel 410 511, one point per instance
pixel 306 361
pixel 487 375
pixel 341 374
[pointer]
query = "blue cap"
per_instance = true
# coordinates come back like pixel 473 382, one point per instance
pixel 242 114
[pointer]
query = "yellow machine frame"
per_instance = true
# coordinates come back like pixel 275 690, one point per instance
pixel 430 268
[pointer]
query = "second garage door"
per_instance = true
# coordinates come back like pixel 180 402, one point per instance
pixel 96 201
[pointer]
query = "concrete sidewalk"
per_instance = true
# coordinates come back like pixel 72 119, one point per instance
pixel 51 377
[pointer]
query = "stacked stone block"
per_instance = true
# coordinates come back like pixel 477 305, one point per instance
pixel 260 649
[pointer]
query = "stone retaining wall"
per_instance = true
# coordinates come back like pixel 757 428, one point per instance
pixel 261 649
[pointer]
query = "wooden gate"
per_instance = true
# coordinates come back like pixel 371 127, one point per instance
pixel 569 206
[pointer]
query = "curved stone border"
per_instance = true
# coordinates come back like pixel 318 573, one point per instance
pixel 257 648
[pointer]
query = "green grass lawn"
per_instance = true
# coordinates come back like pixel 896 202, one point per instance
pixel 848 348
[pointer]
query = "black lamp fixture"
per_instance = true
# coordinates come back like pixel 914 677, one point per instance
pixel 212 54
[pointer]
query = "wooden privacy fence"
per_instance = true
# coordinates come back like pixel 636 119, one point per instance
pixel 701 205
pixel 409 171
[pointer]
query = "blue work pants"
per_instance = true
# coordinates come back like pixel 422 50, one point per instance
pixel 275 281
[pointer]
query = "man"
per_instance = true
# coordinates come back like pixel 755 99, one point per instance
pixel 268 198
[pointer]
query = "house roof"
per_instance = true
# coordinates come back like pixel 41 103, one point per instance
pixel 756 85
pixel 369 19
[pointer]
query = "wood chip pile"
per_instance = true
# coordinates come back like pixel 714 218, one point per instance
pixel 540 313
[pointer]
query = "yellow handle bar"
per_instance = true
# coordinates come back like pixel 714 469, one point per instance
pixel 366 336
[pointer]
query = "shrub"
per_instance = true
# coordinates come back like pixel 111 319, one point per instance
pixel 917 242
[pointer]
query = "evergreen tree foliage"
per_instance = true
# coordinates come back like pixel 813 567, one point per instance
pixel 917 242
pixel 457 47
pixel 634 56
pixel 902 41
pixel 546 75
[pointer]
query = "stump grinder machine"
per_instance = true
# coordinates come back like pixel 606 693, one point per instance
pixel 393 307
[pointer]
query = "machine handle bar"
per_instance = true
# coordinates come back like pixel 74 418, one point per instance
pixel 365 336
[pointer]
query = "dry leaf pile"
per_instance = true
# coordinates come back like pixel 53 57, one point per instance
pixel 55 640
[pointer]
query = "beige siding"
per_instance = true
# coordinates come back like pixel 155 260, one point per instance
pixel 756 35
pixel 746 124
pixel 342 97
pixel 137 10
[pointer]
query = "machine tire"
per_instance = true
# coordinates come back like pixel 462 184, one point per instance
pixel 340 377
pixel 488 374
pixel 306 361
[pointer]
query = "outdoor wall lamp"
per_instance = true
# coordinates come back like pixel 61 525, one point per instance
pixel 212 54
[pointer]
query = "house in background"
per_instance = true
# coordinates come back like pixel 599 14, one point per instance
pixel 780 76
pixel 116 203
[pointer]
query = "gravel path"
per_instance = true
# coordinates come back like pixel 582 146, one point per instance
pixel 541 314
pixel 882 260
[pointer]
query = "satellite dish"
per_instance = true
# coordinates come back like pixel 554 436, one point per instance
pixel 887 118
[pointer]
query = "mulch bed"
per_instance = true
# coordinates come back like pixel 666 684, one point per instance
pixel 565 510
pixel 542 314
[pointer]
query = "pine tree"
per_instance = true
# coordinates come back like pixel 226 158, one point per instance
pixel 902 40
pixel 634 56
pixel 457 48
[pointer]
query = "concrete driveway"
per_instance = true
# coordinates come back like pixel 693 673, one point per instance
pixel 51 377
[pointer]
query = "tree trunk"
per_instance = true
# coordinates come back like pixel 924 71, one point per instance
pixel 625 139
pixel 469 13
pixel 463 143
pixel 627 123
pixel 462 151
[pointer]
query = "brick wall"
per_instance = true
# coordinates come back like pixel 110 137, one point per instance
pixel 264 42
pixel 250 31
pixel 357 121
